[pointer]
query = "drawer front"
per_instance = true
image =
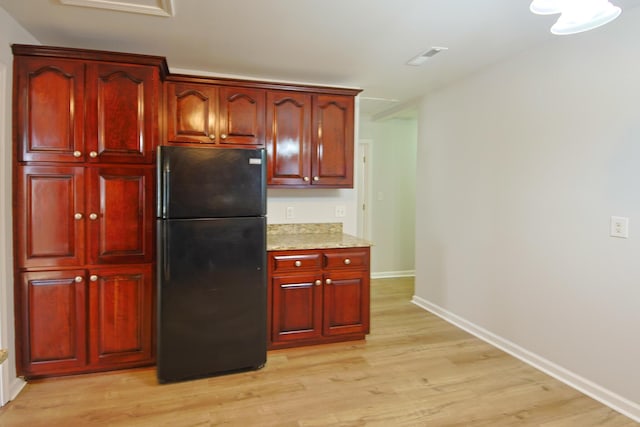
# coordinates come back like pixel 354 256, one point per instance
pixel 297 261
pixel 351 258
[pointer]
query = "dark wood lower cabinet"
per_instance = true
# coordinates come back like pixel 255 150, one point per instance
pixel 53 324
pixel 318 296
pixel 120 316
pixel 85 320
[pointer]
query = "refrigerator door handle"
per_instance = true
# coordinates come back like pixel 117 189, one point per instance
pixel 166 176
pixel 165 254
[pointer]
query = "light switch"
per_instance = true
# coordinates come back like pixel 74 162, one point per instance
pixel 619 227
pixel 341 211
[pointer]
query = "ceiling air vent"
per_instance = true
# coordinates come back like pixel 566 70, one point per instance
pixel 424 56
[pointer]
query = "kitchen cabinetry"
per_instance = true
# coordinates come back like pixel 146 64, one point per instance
pixel 214 114
pixel 79 111
pixel 309 140
pixel 85 319
pixel 318 296
pixel 86 128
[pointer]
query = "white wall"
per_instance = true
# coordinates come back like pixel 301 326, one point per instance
pixel 10 32
pixel 519 169
pixel 393 163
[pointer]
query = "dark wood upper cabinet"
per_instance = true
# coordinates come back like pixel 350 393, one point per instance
pixel 191 113
pixel 310 140
pixel 85 111
pixel 288 138
pixel 49 112
pixel 122 113
pixel 332 151
pixel 214 114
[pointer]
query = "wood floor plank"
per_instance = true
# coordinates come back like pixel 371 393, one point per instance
pixel 413 370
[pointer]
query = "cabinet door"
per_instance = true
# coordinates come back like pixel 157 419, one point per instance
pixel 332 154
pixel 122 113
pixel 49 99
pixel 120 215
pixel 50 216
pixel 120 315
pixel 296 308
pixel 288 140
pixel 50 322
pixel 191 113
pixel 346 303
pixel 242 116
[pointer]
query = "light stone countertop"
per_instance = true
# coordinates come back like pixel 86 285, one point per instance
pixel 282 237
pixel 3 355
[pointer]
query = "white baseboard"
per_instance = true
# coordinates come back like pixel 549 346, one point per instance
pixel 595 391
pixel 391 274
pixel 16 387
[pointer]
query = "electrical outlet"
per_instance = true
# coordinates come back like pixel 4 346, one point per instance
pixel 290 212
pixel 341 211
pixel 619 227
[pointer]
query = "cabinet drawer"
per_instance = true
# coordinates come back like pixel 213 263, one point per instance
pixel 297 261
pixel 351 258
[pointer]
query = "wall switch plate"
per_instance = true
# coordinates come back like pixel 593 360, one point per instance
pixel 619 227
pixel 341 211
pixel 290 212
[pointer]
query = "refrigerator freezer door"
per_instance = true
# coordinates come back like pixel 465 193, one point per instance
pixel 212 296
pixel 211 183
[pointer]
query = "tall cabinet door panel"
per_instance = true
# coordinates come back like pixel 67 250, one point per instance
pixel 346 303
pixel 242 117
pixel 191 113
pixel 120 310
pixel 50 216
pixel 288 140
pixel 52 324
pixel 49 110
pixel 120 217
pixel 332 156
pixel 296 308
pixel 122 113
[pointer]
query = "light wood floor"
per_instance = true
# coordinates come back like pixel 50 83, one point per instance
pixel 413 370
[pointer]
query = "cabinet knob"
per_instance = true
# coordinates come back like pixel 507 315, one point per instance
pixel 78 279
pixel 93 216
pixel 316 178
pixel 77 153
pixel 297 263
pixel 305 179
pixel 347 261
pixel 78 215
pixel 93 278
pixel 318 282
pixel 223 136
pixel 93 154
pixel 328 281
pixel 212 137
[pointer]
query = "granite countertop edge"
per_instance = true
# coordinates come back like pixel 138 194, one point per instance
pixel 314 241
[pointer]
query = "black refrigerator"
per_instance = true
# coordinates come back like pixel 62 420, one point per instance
pixel 211 261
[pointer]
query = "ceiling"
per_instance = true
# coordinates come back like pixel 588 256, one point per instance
pixel 353 43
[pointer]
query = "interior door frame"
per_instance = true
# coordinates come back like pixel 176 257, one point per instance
pixel 5 232
pixel 364 168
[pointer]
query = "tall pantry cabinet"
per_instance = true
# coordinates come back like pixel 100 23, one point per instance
pixel 86 125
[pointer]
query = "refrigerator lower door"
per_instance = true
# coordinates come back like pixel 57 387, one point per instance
pixel 212 296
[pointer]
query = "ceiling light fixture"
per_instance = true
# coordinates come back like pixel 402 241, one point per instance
pixel 576 16
pixel 424 56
